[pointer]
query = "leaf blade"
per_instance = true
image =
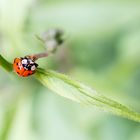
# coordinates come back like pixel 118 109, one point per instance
pixel 78 92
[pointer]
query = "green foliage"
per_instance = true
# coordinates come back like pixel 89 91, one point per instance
pixel 80 93
pixel 101 49
pixel 5 64
pixel 76 91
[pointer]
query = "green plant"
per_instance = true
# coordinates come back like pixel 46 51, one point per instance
pixel 78 92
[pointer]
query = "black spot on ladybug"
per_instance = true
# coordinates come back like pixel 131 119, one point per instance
pixel 17 72
pixel 29 67
pixel 17 64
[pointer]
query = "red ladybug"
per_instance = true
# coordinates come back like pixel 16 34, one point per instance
pixel 24 66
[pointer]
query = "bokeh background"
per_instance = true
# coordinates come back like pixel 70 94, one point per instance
pixel 101 49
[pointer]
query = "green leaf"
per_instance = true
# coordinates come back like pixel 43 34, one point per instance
pixel 5 64
pixel 78 92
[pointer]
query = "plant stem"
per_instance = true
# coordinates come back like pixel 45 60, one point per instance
pixel 37 56
pixel 5 64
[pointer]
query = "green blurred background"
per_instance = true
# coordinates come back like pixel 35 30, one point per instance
pixel 102 49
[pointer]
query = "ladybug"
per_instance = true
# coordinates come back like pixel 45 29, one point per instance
pixel 24 66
